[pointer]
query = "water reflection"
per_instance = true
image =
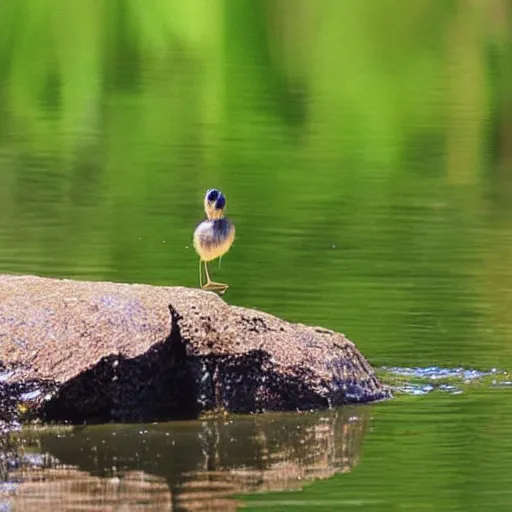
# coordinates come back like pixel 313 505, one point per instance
pixel 186 465
pixel 68 489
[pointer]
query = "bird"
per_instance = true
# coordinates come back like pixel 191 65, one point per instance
pixel 213 237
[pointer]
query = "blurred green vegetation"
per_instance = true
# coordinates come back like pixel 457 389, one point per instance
pixel 384 72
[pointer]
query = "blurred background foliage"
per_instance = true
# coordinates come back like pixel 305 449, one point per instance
pixel 365 149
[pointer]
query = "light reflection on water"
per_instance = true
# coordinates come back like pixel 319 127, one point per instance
pixel 186 466
pixel 212 464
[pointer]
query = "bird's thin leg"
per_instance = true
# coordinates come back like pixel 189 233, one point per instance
pixel 212 285
pixel 200 272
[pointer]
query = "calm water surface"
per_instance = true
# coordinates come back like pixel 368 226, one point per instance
pixel 437 452
pixel 417 275
pixel 369 180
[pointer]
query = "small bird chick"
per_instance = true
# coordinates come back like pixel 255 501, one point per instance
pixel 213 237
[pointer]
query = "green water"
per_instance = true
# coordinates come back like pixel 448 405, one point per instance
pixel 364 150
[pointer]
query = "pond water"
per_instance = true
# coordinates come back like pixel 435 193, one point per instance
pixel 369 179
pixel 443 451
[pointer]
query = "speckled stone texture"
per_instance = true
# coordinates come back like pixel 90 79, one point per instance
pixel 99 351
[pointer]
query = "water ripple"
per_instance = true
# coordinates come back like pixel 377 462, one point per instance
pixel 421 381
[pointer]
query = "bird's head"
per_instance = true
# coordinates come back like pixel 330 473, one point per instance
pixel 214 203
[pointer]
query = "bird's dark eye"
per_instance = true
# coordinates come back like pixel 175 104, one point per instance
pixel 212 195
pixel 221 202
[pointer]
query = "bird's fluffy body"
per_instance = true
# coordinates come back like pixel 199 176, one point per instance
pixel 213 238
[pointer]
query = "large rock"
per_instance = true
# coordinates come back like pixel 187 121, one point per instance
pixel 98 351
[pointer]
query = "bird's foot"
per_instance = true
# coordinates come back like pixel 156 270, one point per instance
pixel 220 288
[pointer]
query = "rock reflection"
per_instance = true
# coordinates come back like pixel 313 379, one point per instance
pixel 68 489
pixel 185 466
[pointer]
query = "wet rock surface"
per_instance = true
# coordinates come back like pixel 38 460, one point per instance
pixel 97 351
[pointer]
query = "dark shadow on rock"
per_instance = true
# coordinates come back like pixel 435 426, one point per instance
pixel 155 386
